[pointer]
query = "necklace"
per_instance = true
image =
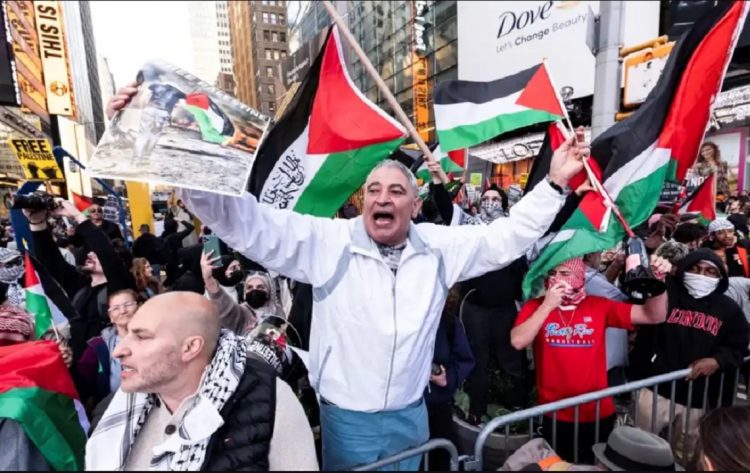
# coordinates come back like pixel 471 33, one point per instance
pixel 569 332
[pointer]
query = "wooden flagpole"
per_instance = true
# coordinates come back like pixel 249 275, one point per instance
pixel 379 82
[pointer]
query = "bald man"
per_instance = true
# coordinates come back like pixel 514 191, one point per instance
pixel 191 399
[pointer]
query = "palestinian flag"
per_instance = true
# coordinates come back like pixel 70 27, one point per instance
pixel 81 202
pixel 45 299
pixel 36 391
pixel 702 201
pixel 327 142
pixel 659 141
pixel 451 162
pixel 555 136
pixel 211 121
pixel 469 113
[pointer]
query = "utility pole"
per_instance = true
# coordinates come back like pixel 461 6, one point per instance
pixel 607 74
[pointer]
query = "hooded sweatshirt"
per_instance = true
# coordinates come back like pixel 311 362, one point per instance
pixel 710 327
pixel 240 317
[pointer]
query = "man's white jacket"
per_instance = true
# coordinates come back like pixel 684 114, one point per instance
pixel 373 332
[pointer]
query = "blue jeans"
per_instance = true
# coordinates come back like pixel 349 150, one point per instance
pixel 352 438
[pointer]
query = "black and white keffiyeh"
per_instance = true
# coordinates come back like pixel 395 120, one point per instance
pixel 184 450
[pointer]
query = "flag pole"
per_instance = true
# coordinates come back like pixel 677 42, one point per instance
pixel 379 82
pixel 589 172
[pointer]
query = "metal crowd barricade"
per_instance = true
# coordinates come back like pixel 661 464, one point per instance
pixel 424 449
pixel 476 463
pixel 528 415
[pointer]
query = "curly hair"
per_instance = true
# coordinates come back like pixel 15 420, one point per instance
pixel 143 280
pixel 712 145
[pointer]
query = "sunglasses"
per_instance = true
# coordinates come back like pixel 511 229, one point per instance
pixel 95 211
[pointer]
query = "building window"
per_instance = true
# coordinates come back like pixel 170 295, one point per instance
pixel 268 54
pixel 266 35
pixel 271 107
pixel 265 17
pixel 272 89
pixel 269 71
pixel 276 54
pixel 282 37
pixel 273 18
pixel 275 37
pixel 282 19
pixel 283 54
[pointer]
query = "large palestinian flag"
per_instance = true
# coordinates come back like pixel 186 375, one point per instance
pixel 468 113
pixel 324 146
pixel 659 141
pixel 37 391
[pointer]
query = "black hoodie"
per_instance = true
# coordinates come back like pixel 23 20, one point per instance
pixel 710 327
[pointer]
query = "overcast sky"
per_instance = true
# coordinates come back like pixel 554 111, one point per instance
pixel 131 33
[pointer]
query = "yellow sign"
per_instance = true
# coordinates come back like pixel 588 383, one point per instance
pixel 141 213
pixel 25 43
pixel 36 158
pixel 54 58
pixel 475 179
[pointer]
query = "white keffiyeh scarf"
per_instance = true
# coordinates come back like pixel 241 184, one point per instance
pixel 185 450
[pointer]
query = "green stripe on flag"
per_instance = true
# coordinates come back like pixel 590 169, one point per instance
pixel 51 422
pixel 636 202
pixel 37 305
pixel 339 177
pixel 208 131
pixel 470 135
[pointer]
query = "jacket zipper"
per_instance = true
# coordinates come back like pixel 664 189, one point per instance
pixel 393 348
pixel 322 367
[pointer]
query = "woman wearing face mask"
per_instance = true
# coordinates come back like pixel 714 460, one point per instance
pixel 706 331
pixel 567 328
pixel 259 298
pixel 98 370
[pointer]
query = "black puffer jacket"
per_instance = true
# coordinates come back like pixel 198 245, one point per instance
pixel 244 441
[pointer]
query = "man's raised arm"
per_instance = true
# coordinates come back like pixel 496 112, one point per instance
pixel 300 247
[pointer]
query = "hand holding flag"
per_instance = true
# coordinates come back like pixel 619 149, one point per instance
pixel 567 161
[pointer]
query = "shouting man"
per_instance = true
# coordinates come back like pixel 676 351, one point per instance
pixel 380 276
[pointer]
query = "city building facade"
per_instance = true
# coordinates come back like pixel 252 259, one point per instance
pixel 259 45
pixel 413 46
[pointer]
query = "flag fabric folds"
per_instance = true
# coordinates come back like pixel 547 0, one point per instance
pixel 468 113
pixel 659 141
pixel 327 142
pixel 36 391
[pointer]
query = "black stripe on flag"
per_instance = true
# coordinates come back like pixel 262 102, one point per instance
pixel 629 138
pixel 463 91
pixel 289 127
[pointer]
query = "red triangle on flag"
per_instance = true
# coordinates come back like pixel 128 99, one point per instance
pixel 342 118
pixel 458 156
pixel 197 99
pixel 539 94
pixel 82 202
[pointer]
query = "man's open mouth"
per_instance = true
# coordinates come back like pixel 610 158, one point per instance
pixel 383 218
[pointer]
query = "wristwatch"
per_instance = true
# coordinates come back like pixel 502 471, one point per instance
pixel 560 190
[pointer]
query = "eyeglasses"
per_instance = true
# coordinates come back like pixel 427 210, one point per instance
pixel 119 308
pixel 95 211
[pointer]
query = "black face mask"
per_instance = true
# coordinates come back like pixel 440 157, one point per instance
pixel 256 298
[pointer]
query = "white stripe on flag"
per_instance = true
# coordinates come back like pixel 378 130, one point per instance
pixel 464 114
pixel 643 165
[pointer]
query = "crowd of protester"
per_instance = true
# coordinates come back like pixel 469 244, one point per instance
pixel 337 342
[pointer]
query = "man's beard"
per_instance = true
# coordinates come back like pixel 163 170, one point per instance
pixel 157 375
